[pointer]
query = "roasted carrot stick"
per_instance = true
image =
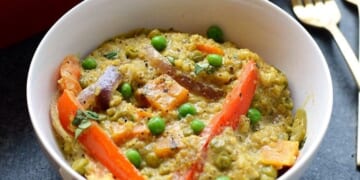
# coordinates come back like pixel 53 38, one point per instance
pixel 236 104
pixel 70 67
pixel 209 49
pixel 99 146
pixel 95 141
pixel 70 84
pixel 70 74
pixel 67 106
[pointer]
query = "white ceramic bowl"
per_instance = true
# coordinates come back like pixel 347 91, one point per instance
pixel 256 24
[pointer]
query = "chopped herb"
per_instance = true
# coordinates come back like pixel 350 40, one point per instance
pixel 208 69
pixel 84 124
pixel 171 59
pixel 82 121
pixel 91 115
pixel 78 132
pixel 78 118
pixel 111 55
pixel 199 68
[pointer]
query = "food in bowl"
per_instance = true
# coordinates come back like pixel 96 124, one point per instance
pixel 154 104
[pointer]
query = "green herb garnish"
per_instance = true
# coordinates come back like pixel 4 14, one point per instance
pixel 111 55
pixel 82 120
pixel 171 60
pixel 199 68
pixel 206 68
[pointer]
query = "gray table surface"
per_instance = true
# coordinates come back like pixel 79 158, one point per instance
pixel 22 158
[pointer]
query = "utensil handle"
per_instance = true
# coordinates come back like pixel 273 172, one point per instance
pixel 358 122
pixel 358 134
pixel 347 52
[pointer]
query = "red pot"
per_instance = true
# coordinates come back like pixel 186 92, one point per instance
pixel 21 19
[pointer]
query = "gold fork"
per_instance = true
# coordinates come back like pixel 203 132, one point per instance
pixel 326 14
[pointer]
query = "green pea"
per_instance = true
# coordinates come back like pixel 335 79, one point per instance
pixel 159 42
pixel 152 160
pixel 186 109
pixel 254 115
pixel 223 178
pixel 134 157
pixel 197 126
pixel 89 63
pixel 156 125
pixel 222 161
pixel 214 32
pixel 197 56
pixel 126 90
pixel 214 60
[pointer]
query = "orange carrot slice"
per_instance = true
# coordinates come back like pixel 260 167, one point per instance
pixel 67 106
pixel 70 67
pixel 70 74
pixel 209 49
pixel 236 104
pixel 95 141
pixel 69 84
pixel 99 146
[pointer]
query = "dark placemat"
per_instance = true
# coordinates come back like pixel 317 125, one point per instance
pixel 22 158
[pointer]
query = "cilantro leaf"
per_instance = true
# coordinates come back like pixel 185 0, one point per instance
pixel 111 55
pixel 83 119
pixel 78 118
pixel 199 69
pixel 91 115
pixel 85 124
pixel 171 60
pixel 78 131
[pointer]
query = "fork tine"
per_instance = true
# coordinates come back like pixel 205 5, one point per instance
pixel 318 1
pixel 296 2
pixel 308 2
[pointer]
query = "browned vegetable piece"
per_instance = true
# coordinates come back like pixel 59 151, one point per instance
pixel 162 65
pixel 99 93
pixel 164 93
pixel 126 133
pixel 280 153
pixel 166 147
pixel 70 75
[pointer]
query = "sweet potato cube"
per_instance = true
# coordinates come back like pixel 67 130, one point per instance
pixel 166 147
pixel 164 93
pixel 280 153
pixel 124 133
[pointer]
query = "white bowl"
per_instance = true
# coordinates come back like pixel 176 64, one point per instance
pixel 257 25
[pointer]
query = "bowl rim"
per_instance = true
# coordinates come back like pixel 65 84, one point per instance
pixel 306 158
pixel 47 147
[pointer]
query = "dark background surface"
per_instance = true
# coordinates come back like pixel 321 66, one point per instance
pixel 22 158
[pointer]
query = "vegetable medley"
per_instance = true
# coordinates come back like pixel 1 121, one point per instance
pixel 155 104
